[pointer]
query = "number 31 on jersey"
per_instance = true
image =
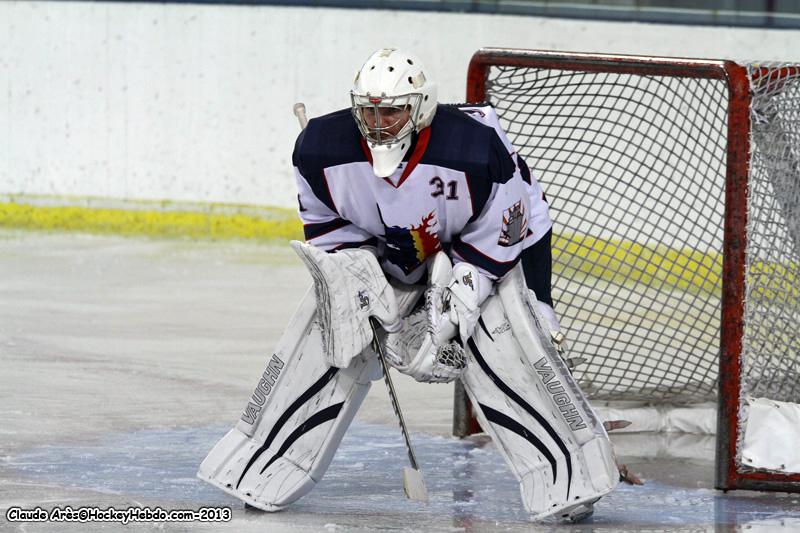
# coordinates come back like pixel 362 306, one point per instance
pixel 439 187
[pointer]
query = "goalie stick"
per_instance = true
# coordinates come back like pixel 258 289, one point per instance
pixel 413 482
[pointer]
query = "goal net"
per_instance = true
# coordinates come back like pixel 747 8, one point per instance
pixel 674 187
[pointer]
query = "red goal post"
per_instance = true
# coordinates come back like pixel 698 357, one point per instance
pixel 648 138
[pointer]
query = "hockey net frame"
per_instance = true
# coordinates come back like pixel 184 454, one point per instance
pixel 737 79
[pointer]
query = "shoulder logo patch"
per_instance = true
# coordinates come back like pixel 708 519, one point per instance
pixel 515 225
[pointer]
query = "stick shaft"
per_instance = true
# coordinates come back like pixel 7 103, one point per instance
pixel 392 394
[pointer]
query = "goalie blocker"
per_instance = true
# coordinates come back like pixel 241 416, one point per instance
pixel 527 400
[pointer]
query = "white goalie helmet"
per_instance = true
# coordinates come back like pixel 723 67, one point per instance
pixel 393 96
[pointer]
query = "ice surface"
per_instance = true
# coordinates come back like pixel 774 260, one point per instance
pixel 470 487
pixel 124 360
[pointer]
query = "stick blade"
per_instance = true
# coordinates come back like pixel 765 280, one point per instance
pixel 414 485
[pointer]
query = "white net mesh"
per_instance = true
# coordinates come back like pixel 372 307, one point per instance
pixel 771 344
pixel 634 169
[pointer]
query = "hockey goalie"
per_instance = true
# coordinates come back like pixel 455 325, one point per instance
pixel 422 218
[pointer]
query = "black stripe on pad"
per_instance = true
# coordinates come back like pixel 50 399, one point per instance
pixel 527 407
pixel 327 414
pixel 292 409
pixel 496 417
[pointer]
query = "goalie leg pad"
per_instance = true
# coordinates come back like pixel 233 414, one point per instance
pixel 294 421
pixel 527 400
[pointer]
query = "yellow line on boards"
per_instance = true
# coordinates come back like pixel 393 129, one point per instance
pixel 147 218
pixel 614 260
pixel 627 262
pixel 630 263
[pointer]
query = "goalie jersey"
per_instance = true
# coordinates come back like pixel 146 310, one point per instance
pixel 460 188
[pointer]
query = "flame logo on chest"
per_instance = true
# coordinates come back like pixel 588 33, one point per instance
pixel 409 247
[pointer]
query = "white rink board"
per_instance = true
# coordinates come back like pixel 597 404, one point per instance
pixel 193 102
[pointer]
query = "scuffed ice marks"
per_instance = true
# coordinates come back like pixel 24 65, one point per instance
pixel 469 484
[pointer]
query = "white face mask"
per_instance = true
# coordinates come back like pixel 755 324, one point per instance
pixel 387 124
pixel 385 120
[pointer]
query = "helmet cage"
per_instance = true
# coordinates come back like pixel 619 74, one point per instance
pixel 376 132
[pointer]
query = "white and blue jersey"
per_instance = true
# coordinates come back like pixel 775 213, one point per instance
pixel 461 188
